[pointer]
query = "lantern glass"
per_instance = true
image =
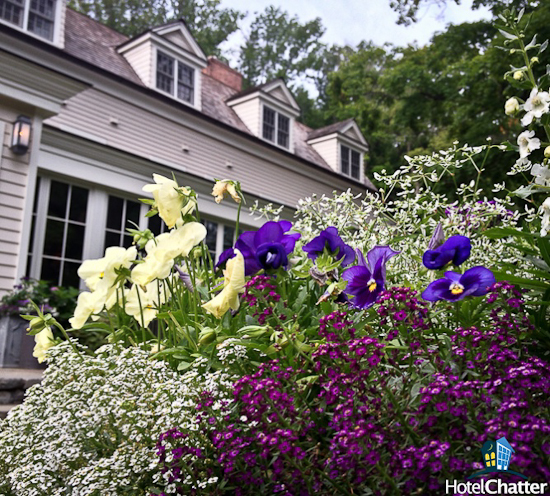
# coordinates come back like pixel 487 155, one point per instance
pixel 21 135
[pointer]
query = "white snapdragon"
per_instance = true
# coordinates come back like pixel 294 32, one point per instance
pixel 542 174
pixel 536 105
pixel 527 143
pixel 545 223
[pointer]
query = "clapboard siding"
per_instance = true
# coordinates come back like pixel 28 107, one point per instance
pixel 328 149
pixel 249 113
pixel 176 37
pixel 152 136
pixel 140 58
pixel 14 172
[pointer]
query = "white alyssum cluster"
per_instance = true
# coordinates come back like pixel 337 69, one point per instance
pixel 92 425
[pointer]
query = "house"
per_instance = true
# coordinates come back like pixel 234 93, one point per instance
pixel 87 116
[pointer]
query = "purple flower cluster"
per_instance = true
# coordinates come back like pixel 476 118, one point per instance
pixel 259 292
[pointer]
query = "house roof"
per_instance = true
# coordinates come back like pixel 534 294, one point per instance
pixel 96 44
pixel 337 127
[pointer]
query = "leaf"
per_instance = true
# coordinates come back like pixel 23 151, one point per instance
pixel 532 43
pixel 505 232
pixel 184 365
pixel 507 35
pixel 521 282
pixel 544 246
pixel 543 47
pixel 520 14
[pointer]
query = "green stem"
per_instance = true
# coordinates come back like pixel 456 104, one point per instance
pixel 66 336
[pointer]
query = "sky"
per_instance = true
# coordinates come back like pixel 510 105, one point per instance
pixel 350 21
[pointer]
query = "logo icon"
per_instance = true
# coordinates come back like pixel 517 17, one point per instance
pixel 496 458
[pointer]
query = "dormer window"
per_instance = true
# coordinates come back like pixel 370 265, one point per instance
pixel 350 161
pixel 35 16
pixel 276 127
pixel 181 87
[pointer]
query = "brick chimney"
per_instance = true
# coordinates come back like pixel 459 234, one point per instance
pixel 223 73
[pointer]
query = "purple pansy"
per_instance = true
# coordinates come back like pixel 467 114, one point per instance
pixel 476 281
pixel 330 239
pixel 225 256
pixel 268 247
pixel 456 249
pixel 367 279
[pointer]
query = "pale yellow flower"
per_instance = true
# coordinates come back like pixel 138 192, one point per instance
pixel 162 251
pixel 87 305
pixel 145 300
pixel 44 341
pixel 511 107
pixel 101 272
pixel 233 286
pixel 225 186
pixel 172 201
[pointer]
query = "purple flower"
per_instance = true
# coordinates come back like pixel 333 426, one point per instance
pixel 366 280
pixel 456 249
pixel 330 239
pixel 225 256
pixel 268 247
pixel 453 287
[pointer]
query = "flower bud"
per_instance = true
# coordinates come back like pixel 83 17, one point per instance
pixel 511 106
pixel 547 152
pixel 206 336
pixel 36 324
pixel 518 75
pixel 534 60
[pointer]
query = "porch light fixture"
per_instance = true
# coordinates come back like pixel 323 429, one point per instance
pixel 21 135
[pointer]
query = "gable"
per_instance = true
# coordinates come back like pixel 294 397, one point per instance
pixel 280 95
pixel 177 38
pixel 277 89
pixel 353 134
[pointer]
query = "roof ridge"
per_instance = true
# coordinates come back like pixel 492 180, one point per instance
pixel 98 22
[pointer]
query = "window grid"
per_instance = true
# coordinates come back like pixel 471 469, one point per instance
pixel 184 87
pixel 503 457
pixel 120 212
pixel 185 82
pixel 41 18
pixel 276 127
pixel 165 73
pixel 12 11
pixel 350 161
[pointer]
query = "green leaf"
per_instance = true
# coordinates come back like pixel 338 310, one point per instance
pixel 505 232
pixel 544 246
pixel 507 35
pixel 521 282
pixel 543 47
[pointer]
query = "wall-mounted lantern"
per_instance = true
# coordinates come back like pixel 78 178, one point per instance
pixel 21 135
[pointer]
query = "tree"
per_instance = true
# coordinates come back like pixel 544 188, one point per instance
pixel 210 24
pixel 280 46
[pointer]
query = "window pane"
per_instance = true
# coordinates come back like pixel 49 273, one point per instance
pixel 228 234
pixel 269 124
pixel 211 235
pixel 283 130
pixel 132 213
pixel 75 241
pixel 185 82
pixel 114 212
pixel 40 25
pixel 12 11
pixel 44 7
pixel 155 225
pixel 58 199
pixel 127 241
pixel 53 244
pixel 355 166
pixel 79 204
pixel 70 275
pixel 112 239
pixel 165 73
pixel 50 270
pixel 344 153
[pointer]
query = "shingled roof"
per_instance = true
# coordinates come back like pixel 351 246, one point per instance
pixel 92 42
pixel 337 127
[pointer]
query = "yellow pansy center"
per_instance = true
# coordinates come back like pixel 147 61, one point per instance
pixel 372 285
pixel 102 275
pixel 457 288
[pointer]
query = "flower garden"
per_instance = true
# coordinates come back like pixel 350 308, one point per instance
pixel 370 346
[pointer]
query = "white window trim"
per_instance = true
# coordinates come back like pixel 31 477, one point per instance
pixel 196 103
pixel 290 147
pixel 56 23
pixel 361 165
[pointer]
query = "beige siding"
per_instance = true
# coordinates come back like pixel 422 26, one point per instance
pixel 140 58
pixel 352 133
pixel 154 137
pixel 279 94
pixel 13 180
pixel 249 113
pixel 328 149
pixel 177 38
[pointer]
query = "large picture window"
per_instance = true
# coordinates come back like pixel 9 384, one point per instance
pixel 181 87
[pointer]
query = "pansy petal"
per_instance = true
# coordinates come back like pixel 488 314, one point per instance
pixel 453 276
pixel 285 225
pixel 479 278
pixel 270 231
pixel 437 259
pixel 314 247
pixel 360 258
pixel 289 241
pixel 437 290
pixel 380 252
pixel 349 256
pixel 461 246
pixel 438 237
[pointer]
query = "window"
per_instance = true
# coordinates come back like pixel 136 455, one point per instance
pixel 120 215
pixel 183 86
pixel 351 162
pixel 36 16
pixel 276 127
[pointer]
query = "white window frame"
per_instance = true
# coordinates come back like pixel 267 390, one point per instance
pixel 95 224
pixel 58 6
pixel 341 157
pixel 276 131
pixel 177 62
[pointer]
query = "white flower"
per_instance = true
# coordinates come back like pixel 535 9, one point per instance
pixel 171 200
pixel 511 106
pixel 44 341
pixel 527 143
pixel 536 105
pixel 542 175
pixel 100 273
pixel 545 211
pixel 86 305
pixel 225 186
pixel 146 303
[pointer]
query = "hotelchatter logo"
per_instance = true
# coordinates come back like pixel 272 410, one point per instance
pixel 496 459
